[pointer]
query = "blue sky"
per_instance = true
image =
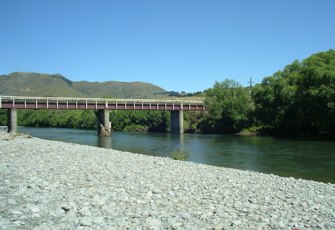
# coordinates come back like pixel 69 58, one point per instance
pixel 179 45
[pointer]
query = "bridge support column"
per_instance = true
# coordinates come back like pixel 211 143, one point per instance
pixel 177 121
pixel 12 120
pixel 104 126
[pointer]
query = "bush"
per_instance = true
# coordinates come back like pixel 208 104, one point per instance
pixel 180 155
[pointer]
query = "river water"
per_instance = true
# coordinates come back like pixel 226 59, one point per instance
pixel 312 160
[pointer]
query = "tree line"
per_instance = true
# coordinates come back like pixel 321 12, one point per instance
pixel 140 121
pixel 298 100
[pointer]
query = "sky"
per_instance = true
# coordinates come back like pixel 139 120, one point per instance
pixel 179 45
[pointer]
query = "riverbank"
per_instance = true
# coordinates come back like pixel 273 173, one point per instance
pixel 56 185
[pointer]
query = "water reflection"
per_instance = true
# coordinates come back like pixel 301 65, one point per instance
pixel 104 142
pixel 298 158
pixel 181 139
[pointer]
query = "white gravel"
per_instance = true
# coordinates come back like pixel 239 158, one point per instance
pixel 54 185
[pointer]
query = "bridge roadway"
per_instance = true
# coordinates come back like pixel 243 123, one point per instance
pixel 102 106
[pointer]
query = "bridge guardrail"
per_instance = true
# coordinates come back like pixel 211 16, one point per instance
pixel 25 102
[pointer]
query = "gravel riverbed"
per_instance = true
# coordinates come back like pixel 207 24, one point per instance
pixel 55 185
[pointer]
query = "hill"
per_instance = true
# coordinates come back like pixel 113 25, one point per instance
pixel 36 84
pixel 118 89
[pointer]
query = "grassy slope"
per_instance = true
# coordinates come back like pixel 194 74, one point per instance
pixel 118 89
pixel 35 84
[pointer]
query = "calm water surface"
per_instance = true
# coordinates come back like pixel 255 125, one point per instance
pixel 313 160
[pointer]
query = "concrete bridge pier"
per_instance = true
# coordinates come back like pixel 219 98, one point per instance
pixel 177 121
pixel 12 120
pixel 104 125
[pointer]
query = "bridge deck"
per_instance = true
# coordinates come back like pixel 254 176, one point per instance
pixel 22 102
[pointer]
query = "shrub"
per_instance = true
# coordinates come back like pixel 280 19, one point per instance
pixel 180 155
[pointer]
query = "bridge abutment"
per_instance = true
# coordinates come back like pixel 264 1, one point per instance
pixel 104 125
pixel 12 120
pixel 177 121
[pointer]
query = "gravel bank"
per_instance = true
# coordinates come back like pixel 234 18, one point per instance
pixel 54 185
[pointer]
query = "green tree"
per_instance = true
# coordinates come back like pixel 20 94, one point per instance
pixel 300 99
pixel 316 92
pixel 193 121
pixel 3 117
pixel 274 99
pixel 229 106
pixel 88 120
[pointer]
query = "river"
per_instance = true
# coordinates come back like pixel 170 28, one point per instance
pixel 306 159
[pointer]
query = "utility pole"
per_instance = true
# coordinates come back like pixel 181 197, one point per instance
pixel 250 85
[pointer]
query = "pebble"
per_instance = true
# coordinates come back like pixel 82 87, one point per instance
pixel 153 224
pixel 55 185
pixel 34 209
pixel 15 212
pixel 186 216
pixel 85 211
pixel 85 221
pixel 99 220
pixel 12 201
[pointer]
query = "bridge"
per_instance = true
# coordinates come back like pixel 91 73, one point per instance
pixel 101 106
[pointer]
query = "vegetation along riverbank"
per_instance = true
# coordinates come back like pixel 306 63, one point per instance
pixel 296 101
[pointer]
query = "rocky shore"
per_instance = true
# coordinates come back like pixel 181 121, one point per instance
pixel 54 185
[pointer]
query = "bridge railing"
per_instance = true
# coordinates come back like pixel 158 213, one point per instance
pixel 27 102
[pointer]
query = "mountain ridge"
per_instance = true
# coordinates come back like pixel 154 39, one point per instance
pixel 38 84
